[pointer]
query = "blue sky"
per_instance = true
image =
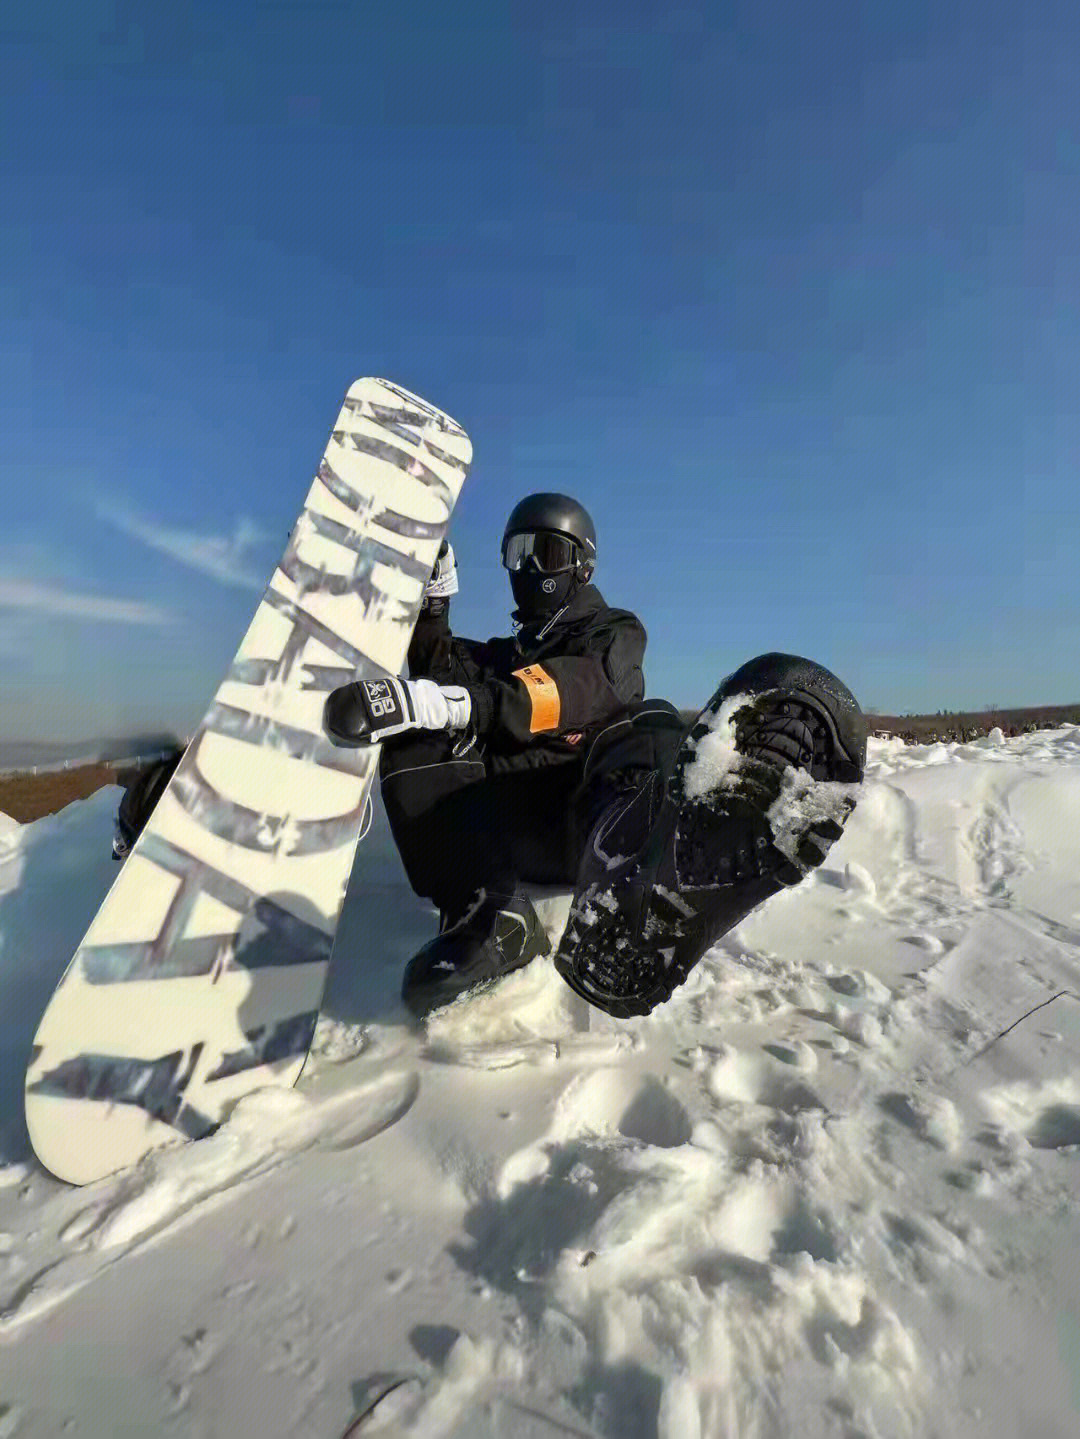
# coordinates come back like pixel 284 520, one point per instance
pixel 788 295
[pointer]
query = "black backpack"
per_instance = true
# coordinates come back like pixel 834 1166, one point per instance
pixel 140 797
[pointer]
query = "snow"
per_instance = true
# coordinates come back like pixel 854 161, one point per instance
pixel 715 757
pixel 802 802
pixel 831 1188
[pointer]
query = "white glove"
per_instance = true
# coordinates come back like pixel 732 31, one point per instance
pixel 369 711
pixel 438 706
pixel 444 581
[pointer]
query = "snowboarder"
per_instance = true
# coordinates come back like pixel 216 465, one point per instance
pixel 536 758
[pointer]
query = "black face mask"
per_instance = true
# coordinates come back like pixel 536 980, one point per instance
pixel 538 596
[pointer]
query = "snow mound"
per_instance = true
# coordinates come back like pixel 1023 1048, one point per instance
pixel 824 1189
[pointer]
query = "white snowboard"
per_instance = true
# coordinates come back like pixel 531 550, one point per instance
pixel 201 976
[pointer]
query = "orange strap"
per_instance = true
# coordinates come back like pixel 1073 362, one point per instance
pixel 543 696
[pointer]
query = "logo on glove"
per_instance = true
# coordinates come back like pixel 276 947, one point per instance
pixel 380 698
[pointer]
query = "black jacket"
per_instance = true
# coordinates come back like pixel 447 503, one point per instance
pixel 547 695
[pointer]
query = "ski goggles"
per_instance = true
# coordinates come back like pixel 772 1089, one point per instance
pixel 548 551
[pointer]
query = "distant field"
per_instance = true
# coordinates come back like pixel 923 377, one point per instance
pixel 21 756
pixel 27 797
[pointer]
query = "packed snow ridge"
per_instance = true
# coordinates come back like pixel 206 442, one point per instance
pixel 832 1188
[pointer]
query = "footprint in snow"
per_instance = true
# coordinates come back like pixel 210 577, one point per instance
pixel 858 984
pixel 1057 1127
pixel 655 1117
pixel 914 1249
pixel 613 1102
pixel 740 1077
pixel 931 1117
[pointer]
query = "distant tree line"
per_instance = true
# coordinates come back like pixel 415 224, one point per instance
pixel 959 727
pixel 951 727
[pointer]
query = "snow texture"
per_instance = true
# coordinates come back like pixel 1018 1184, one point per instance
pixel 831 1189
pixel 715 760
pixel 802 802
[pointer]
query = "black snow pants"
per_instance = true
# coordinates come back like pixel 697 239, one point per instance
pixel 460 823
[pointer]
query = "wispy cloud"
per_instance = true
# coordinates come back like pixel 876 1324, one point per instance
pixel 222 557
pixel 45 599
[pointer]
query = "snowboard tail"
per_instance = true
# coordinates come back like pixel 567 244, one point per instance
pixel 201 976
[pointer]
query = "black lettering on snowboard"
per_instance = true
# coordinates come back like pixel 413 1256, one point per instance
pixel 267 935
pixel 154 1085
pixel 285 1039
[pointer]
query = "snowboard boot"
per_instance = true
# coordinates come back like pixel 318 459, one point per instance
pixel 142 791
pixel 759 789
pixel 498 933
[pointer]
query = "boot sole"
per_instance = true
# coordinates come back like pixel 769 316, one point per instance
pixel 631 938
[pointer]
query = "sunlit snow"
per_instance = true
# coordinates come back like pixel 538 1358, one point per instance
pixel 831 1188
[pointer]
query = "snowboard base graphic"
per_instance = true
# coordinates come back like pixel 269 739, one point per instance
pixel 201 976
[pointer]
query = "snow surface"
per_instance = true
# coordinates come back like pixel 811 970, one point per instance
pixel 831 1188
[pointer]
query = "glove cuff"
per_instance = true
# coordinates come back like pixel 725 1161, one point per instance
pixel 483 708
pixel 459 703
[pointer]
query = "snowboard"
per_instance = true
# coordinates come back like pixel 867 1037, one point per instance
pixel 200 978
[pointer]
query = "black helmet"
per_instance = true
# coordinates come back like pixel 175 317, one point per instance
pixel 549 547
pixel 554 514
